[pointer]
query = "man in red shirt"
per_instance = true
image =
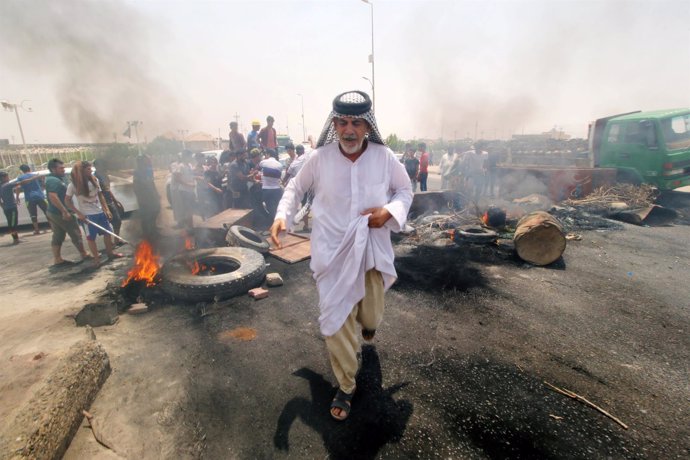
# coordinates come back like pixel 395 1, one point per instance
pixel 267 136
pixel 423 167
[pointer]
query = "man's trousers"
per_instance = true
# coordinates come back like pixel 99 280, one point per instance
pixel 343 346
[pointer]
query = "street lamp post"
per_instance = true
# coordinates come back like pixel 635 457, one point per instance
pixel 304 128
pixel 8 106
pixel 369 80
pixel 371 56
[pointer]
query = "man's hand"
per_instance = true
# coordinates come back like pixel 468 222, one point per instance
pixel 108 215
pixel 66 215
pixel 378 217
pixel 81 216
pixel 277 227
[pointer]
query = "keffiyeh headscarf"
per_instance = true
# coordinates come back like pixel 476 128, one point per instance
pixel 351 104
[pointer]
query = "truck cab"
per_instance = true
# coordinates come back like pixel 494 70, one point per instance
pixel 644 147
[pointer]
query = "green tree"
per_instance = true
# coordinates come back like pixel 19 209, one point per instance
pixel 163 146
pixel 394 143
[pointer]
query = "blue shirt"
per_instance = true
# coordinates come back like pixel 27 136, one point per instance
pixel 252 139
pixel 32 190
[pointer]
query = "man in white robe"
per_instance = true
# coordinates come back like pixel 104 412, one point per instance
pixel 361 194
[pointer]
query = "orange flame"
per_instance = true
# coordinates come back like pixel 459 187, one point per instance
pixel 485 218
pixel 188 243
pixel 146 265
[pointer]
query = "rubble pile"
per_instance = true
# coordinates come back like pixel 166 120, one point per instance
pixel 438 229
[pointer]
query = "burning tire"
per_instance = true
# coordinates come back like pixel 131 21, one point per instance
pixel 246 238
pixel 203 274
pixel 475 234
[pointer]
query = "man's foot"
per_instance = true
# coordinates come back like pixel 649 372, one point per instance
pixel 95 262
pixel 17 241
pixel 368 334
pixel 115 255
pixel 341 405
pixel 63 263
pixel 86 258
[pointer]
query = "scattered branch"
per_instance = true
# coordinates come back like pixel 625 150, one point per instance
pixel 584 400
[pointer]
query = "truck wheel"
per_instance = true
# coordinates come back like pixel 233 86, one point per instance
pixel 245 237
pixel 223 273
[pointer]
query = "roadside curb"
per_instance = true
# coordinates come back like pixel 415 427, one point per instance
pixel 44 427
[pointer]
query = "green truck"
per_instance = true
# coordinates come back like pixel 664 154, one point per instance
pixel 644 147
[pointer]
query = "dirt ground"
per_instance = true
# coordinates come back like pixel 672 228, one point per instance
pixel 457 369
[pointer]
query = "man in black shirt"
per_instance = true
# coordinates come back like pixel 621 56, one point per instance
pixel 411 166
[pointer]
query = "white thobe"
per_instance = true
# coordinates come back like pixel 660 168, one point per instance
pixel 343 247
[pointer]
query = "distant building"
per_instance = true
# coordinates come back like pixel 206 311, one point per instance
pixel 196 142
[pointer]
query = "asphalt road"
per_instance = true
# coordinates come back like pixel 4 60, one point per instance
pixel 457 370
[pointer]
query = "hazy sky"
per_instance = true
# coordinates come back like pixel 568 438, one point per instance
pixel 443 68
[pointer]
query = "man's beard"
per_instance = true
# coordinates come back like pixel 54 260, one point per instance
pixel 351 150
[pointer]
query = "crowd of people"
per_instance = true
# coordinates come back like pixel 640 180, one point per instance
pixel 248 175
pixel 96 210
pixel 471 172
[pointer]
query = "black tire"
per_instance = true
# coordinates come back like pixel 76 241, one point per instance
pixel 245 237
pixel 475 234
pixel 242 269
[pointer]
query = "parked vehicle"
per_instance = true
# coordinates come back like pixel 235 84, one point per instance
pixel 636 148
pixel 644 147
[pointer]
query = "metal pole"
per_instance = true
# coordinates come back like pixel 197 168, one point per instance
pixel 21 131
pixel 373 79
pixel 304 128
pixel 108 232
pixel 371 56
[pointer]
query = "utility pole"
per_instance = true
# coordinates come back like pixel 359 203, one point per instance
pixel 239 128
pixel 182 133
pixel 136 124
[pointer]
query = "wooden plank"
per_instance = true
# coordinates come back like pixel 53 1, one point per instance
pixel 225 219
pixel 295 248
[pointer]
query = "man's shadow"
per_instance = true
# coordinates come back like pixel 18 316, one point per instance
pixel 375 420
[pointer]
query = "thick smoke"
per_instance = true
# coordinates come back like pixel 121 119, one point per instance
pixel 96 53
pixel 507 66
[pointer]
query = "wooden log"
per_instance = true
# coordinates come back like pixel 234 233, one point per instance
pixel 45 425
pixel 539 238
